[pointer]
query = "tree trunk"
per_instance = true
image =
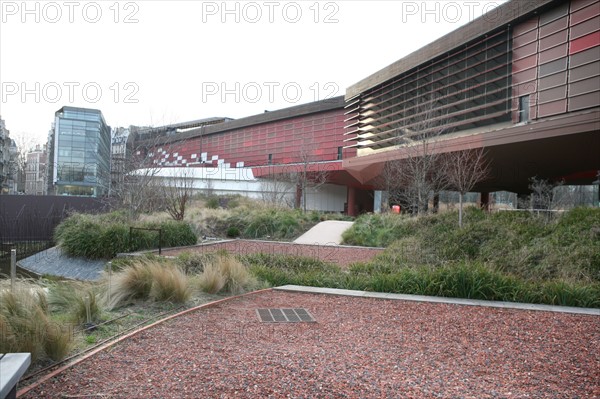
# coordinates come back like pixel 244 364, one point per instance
pixel 460 210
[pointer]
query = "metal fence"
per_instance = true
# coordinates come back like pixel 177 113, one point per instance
pixel 27 222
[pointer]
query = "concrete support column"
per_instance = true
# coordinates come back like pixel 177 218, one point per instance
pixel 298 199
pixel 351 201
pixel 377 201
pixel 523 201
pixel 436 202
pixel 484 201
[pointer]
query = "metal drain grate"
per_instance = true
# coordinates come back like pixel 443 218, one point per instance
pixel 298 315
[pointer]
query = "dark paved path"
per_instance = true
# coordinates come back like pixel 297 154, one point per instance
pixel 53 261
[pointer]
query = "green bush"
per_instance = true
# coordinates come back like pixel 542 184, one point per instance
pixel 467 279
pixel 103 236
pixel 193 262
pixel 518 243
pixel 233 232
pixel 212 203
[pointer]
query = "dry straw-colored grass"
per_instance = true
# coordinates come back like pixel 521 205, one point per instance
pixel 226 274
pixel 147 279
pixel 78 300
pixel 25 325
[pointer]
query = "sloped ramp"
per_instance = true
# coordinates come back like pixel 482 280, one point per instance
pixel 54 262
pixel 325 233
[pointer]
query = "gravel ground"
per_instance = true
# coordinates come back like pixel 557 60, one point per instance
pixel 341 255
pixel 358 348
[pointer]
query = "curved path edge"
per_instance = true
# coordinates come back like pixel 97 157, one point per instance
pixel 52 374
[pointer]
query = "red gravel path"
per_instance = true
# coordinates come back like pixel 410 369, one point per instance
pixel 341 255
pixel 359 348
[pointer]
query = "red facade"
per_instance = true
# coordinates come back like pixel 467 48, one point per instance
pixel 315 137
pixel 556 60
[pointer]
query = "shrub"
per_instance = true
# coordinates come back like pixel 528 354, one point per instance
pixel 233 232
pixel 378 230
pixel 212 203
pixel 516 243
pixel 103 236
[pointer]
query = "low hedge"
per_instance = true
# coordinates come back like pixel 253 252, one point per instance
pixel 103 236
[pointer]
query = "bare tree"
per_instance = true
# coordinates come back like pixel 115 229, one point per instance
pixel 464 169
pixel 177 191
pixel 301 177
pixel 311 175
pixel 546 195
pixel 415 178
pixel 276 188
pixel 138 187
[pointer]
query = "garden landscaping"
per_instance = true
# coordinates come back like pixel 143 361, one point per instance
pixel 514 257
pixel 358 347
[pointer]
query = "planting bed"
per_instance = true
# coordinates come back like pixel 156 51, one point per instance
pixel 357 348
pixel 341 255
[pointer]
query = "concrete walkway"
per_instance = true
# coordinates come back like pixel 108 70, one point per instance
pixel 54 262
pixel 325 233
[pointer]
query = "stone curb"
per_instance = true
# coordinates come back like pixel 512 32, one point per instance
pixel 435 299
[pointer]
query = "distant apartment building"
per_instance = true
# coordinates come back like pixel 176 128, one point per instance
pixel 79 153
pixel 35 171
pixel 4 156
pixel 8 150
pixel 118 155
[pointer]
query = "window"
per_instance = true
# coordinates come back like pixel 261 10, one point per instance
pixel 339 154
pixel 524 108
pixel 270 159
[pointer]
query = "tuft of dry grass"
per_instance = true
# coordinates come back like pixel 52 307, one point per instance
pixel 26 327
pixel 147 279
pixel 227 274
pixel 169 284
pixel 80 301
pixel 58 341
pixel 211 280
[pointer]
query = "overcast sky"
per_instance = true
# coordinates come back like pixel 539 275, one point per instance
pixel 160 62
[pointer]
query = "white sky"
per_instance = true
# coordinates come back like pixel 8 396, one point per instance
pixel 174 59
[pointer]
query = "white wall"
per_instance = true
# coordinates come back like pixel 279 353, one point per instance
pixel 231 181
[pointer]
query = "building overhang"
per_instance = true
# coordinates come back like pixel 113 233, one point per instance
pixel 570 143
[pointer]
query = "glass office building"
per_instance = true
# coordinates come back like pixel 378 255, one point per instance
pixel 81 152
